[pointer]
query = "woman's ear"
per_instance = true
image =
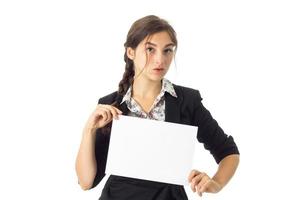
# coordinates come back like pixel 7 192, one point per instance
pixel 130 53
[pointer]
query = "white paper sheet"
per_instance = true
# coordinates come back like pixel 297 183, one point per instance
pixel 151 150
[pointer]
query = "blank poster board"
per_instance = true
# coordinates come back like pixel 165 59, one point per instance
pixel 151 150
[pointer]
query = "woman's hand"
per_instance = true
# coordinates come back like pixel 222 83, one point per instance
pixel 201 183
pixel 102 115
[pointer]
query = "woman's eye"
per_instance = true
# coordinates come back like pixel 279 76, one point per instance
pixel 168 50
pixel 149 49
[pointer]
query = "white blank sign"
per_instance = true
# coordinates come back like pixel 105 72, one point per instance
pixel 151 150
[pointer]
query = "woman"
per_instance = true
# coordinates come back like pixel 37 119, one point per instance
pixel 144 92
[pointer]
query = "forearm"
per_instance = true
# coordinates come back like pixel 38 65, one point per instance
pixel 86 166
pixel 226 169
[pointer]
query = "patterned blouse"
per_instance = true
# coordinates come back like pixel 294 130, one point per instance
pixel 157 111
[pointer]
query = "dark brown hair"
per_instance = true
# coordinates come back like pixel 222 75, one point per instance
pixel 140 29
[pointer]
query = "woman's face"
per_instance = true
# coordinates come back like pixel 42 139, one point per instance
pixel 153 56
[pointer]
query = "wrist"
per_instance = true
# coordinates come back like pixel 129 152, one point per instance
pixel 89 130
pixel 220 183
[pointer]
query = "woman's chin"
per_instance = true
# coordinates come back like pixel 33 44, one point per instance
pixel 156 78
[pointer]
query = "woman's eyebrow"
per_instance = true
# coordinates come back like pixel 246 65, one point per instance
pixel 170 44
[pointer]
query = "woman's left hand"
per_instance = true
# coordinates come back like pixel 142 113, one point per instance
pixel 201 183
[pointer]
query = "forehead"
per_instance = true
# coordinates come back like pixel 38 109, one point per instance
pixel 159 39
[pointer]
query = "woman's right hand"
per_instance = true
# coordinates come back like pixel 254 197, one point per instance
pixel 102 115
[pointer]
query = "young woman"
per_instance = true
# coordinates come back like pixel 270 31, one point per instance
pixel 144 92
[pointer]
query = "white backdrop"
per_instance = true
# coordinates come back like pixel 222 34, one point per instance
pixel 57 58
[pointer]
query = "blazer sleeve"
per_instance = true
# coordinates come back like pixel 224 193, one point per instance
pixel 101 150
pixel 211 134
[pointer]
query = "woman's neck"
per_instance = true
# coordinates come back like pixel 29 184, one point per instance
pixel 146 89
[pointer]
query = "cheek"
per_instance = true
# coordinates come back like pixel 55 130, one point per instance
pixel 140 61
pixel 168 60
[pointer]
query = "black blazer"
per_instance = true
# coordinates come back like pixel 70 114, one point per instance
pixel 188 109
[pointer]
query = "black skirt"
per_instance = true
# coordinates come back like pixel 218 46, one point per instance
pixel 123 188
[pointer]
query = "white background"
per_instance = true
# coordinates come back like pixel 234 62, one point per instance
pixel 57 58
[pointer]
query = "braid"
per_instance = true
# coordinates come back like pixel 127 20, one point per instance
pixel 127 76
pixel 123 87
pixel 126 81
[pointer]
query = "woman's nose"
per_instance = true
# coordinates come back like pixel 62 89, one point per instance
pixel 159 57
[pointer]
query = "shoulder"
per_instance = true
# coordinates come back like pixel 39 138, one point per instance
pixel 108 99
pixel 187 92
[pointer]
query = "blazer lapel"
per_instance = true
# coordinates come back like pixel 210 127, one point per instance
pixel 124 109
pixel 172 108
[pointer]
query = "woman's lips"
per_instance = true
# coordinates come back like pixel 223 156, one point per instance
pixel 158 70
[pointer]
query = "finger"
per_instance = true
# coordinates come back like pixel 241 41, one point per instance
pixel 101 114
pixel 119 111
pixel 105 113
pixel 204 187
pixel 109 115
pixel 112 112
pixel 196 180
pixel 192 174
pixel 201 186
pixel 200 194
pixel 115 111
